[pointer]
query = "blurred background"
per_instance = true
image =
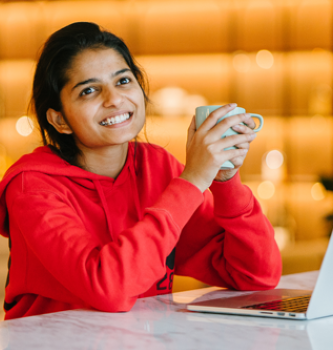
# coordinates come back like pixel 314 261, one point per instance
pixel 272 57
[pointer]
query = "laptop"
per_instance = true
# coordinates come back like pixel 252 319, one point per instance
pixel 281 303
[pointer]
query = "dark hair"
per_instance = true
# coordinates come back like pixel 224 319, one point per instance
pixel 51 76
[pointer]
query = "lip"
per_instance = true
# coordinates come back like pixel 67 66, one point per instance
pixel 114 115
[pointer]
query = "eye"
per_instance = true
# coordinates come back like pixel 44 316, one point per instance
pixel 124 81
pixel 87 91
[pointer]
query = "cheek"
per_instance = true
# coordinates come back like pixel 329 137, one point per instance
pixel 137 96
pixel 140 101
pixel 81 112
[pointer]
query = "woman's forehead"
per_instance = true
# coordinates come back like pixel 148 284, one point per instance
pixel 96 61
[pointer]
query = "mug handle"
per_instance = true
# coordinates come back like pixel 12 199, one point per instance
pixel 261 121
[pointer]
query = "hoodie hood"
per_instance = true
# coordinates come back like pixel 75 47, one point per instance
pixel 44 160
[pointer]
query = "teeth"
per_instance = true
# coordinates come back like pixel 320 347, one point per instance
pixel 116 120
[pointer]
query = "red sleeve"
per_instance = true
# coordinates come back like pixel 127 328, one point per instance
pixel 229 242
pixel 108 277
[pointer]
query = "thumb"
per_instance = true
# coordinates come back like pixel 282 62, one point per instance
pixel 191 130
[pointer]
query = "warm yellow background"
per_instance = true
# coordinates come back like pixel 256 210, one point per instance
pixel 209 48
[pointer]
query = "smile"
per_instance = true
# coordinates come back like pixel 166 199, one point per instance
pixel 115 120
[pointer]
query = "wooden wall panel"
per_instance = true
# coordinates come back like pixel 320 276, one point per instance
pixel 14 143
pixel 21 30
pixel 310 149
pixel 311 24
pixel 168 27
pixel 208 75
pixel 260 25
pixel 307 213
pixel 260 90
pixel 112 15
pixel 15 86
pixel 310 79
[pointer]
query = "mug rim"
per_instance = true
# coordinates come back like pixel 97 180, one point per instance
pixel 218 106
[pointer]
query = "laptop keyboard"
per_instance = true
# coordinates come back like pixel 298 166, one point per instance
pixel 295 304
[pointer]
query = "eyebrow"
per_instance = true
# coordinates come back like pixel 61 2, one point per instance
pixel 94 80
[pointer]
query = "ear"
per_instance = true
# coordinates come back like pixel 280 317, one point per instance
pixel 57 120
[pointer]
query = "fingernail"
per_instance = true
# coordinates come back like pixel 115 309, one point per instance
pixel 232 104
pixel 253 136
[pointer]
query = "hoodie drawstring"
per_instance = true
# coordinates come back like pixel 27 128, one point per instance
pixel 136 193
pixel 105 206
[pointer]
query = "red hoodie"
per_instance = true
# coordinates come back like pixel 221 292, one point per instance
pixel 82 240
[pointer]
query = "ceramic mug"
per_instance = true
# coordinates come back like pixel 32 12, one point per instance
pixel 202 112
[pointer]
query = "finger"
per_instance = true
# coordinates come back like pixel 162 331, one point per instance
pixel 228 123
pixel 245 145
pixel 250 123
pixel 243 129
pixel 232 154
pixel 213 117
pixel 238 161
pixel 235 140
pixel 191 131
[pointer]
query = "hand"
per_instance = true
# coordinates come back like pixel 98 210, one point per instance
pixel 205 149
pixel 226 174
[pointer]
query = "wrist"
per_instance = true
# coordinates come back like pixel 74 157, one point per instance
pixel 225 175
pixel 201 185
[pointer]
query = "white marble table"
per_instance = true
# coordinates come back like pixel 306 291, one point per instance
pixel 162 322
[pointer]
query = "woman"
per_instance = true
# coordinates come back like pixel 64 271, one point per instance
pixel 96 220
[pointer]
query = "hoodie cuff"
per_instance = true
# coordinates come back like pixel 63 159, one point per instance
pixel 230 197
pixel 181 199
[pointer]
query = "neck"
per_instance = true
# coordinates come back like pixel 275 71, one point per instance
pixel 107 162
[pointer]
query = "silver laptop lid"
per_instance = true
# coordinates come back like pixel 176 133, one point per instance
pixel 321 302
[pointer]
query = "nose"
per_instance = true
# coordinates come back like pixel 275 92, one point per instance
pixel 112 97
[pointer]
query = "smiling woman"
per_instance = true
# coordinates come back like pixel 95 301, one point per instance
pixel 96 220
pixel 85 68
pixel 102 105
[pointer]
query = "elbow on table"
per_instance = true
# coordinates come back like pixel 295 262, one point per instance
pixel 118 304
pixel 262 281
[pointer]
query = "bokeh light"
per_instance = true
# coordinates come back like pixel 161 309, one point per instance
pixel 266 190
pixel 173 101
pixel 318 191
pixel 274 159
pixel 169 101
pixel 282 236
pixel 24 126
pixel 318 120
pixel 193 101
pixel 241 62
pixel 265 59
